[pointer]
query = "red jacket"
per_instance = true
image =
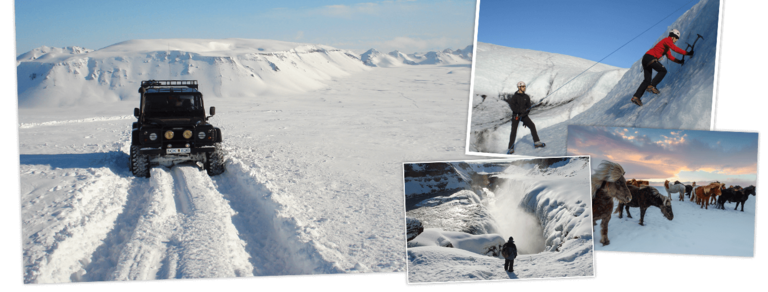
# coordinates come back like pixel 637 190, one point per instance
pixel 662 48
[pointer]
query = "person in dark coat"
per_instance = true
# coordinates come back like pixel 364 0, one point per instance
pixel 520 103
pixel 651 61
pixel 511 249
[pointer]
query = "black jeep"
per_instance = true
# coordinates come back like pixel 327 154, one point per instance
pixel 172 128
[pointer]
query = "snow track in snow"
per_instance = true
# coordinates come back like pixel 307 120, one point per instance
pixel 60 252
pixel 143 254
pixel 273 238
pixel 208 243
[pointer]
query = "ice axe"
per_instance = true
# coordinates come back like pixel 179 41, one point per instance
pixel 691 47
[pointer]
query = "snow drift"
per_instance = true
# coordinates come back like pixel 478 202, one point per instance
pixel 483 244
pixel 685 101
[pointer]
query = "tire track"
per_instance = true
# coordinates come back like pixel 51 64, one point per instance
pixel 141 257
pixel 206 243
pixel 274 241
pixel 88 224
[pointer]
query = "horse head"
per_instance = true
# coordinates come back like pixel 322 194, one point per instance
pixel 610 177
pixel 717 189
pixel 666 203
pixel 750 190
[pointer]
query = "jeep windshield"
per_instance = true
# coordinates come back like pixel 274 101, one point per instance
pixel 173 105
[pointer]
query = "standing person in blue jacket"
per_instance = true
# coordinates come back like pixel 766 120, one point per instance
pixel 511 253
pixel 651 61
pixel 520 103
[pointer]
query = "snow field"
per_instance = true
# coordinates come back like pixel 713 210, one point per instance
pixel 692 231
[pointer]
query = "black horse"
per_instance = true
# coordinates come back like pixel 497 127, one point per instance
pixel 645 197
pixel 735 195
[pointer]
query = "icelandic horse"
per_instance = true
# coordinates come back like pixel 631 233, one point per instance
pixel 703 193
pixel 608 183
pixel 750 190
pixel 675 188
pixel 713 198
pixel 644 197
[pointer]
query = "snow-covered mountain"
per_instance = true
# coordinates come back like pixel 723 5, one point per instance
pixel 54 77
pixel 536 201
pixel 395 58
pixel 45 52
pixel 224 67
pixel 599 97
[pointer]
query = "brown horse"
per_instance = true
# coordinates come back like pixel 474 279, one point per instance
pixel 713 198
pixel 608 183
pixel 637 183
pixel 704 193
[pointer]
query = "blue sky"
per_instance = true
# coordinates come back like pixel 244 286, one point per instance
pixel 589 29
pixel 408 26
pixel 660 154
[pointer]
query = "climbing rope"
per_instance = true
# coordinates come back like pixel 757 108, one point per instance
pixel 598 62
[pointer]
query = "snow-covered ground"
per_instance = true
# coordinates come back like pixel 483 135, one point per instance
pixel 685 101
pixel 545 209
pixel 313 182
pixel 692 231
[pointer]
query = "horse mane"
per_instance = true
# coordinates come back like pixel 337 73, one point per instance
pixel 607 171
pixel 709 187
pixel 666 184
pixel 664 199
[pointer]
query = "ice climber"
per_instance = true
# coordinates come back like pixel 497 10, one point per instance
pixel 509 251
pixel 651 61
pixel 520 103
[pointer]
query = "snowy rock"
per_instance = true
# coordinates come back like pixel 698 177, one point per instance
pixel 413 228
pixel 463 211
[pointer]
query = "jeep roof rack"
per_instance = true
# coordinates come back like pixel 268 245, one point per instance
pixel 169 83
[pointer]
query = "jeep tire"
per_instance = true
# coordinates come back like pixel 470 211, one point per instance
pixel 214 163
pixel 139 163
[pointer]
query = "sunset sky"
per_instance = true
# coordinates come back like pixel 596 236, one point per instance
pixel 659 154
